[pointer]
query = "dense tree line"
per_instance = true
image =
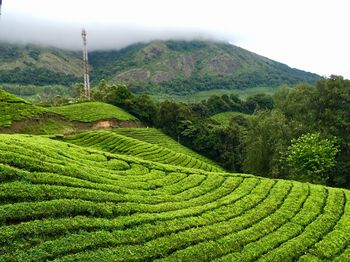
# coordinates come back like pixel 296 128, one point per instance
pixel 197 82
pixel 36 76
pixel 300 133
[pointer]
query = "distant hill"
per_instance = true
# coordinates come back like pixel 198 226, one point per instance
pixel 38 65
pixel 177 67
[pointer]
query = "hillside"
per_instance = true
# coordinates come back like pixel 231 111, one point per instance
pixel 21 116
pixel 14 108
pixel 157 137
pixel 37 65
pixel 92 111
pixel 175 67
pixel 185 67
pixel 63 202
pixel 144 148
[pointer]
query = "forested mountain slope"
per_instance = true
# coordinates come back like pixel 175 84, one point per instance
pixel 177 67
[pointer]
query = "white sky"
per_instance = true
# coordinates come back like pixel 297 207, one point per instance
pixel 307 34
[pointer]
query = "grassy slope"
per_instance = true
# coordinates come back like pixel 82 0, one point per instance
pixel 113 142
pixel 14 108
pixel 65 202
pixel 92 111
pixel 55 120
pixel 225 117
pixel 157 137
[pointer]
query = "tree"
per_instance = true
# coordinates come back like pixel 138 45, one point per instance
pixel 216 104
pixel 112 94
pixel 122 93
pixel 311 158
pixel 266 140
pixel 77 90
pixel 258 101
pixel 299 107
pixel 143 108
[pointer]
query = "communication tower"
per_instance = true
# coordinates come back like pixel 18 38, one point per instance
pixel 87 91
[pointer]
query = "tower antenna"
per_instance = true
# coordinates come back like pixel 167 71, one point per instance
pixel 87 91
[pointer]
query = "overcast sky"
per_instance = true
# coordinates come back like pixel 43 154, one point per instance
pixel 312 35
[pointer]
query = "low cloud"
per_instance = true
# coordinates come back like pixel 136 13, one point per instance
pixel 100 36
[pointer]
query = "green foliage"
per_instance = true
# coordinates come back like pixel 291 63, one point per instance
pixel 119 95
pixel 41 94
pixel 258 102
pixel 113 94
pixel 15 109
pixel 196 97
pixel 313 157
pixel 324 109
pixel 143 108
pixel 92 111
pixel 64 202
pixel 36 76
pixel 188 67
pixel 116 143
pixel 226 118
pixel 155 136
pixel 266 140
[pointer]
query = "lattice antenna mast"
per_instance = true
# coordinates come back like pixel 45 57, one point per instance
pixel 87 91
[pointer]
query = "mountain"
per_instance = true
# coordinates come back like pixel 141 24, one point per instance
pixel 38 65
pixel 159 66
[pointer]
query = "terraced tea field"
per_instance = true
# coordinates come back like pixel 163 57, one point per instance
pixel 20 116
pixel 92 111
pixel 14 108
pixel 157 137
pixel 173 153
pixel 64 202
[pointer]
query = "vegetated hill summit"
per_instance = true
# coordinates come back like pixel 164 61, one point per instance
pixel 171 66
pixel 20 116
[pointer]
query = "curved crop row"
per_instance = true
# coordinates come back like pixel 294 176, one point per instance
pixel 63 202
pixel 115 143
pixel 92 111
pixel 14 108
pixel 155 136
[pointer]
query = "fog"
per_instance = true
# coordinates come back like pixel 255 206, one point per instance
pixel 309 35
pixel 100 36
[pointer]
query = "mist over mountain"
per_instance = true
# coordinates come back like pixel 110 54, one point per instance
pixel 66 35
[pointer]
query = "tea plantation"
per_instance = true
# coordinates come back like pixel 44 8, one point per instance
pixel 13 108
pixel 155 136
pixel 92 111
pixel 154 150
pixel 65 202
pixel 20 116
